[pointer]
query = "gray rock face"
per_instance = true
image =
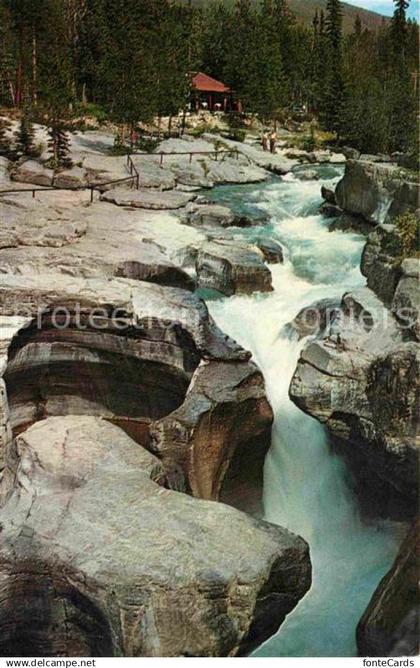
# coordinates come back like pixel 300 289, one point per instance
pixel 314 320
pixel 376 191
pixel 390 624
pixel 147 199
pixel 209 215
pixel 211 581
pixel 217 215
pixel 308 175
pixel 271 249
pixel 70 178
pixel 406 300
pixel 328 195
pixel 379 263
pixel 134 354
pixel 350 153
pixel 39 239
pixel 199 439
pixel 33 172
pixel 362 382
pixel 232 268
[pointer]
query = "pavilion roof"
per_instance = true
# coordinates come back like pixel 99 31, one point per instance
pixel 207 84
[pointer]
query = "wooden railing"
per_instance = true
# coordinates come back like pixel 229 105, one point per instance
pixel 133 170
pixel 92 188
pixel 134 174
pixel 191 154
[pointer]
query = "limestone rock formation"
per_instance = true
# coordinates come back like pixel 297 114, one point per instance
pixel 328 195
pixel 97 559
pixel 135 354
pixel 271 249
pixel 396 281
pixel 232 268
pixel 211 215
pixel 390 624
pixel 34 173
pixel 376 191
pixel 314 320
pixel 406 301
pixel 379 263
pixel 223 426
pixel 362 382
pixel 36 239
pixel 308 175
pixel 147 198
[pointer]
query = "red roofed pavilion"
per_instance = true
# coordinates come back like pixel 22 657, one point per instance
pixel 208 93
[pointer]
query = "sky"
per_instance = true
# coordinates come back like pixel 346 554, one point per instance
pixel 386 6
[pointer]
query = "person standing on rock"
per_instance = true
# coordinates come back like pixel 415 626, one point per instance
pixel 264 140
pixel 273 141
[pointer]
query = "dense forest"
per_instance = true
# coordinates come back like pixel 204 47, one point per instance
pixel 130 61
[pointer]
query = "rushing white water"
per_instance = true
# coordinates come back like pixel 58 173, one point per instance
pixel 305 486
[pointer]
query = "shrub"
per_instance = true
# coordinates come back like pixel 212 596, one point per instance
pixel 119 148
pixel 95 110
pixel 408 230
pixel 236 134
pixel 147 144
pixel 201 129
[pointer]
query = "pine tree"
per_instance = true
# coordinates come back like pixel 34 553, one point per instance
pixel 332 102
pixel 7 57
pixel 25 136
pixel 399 25
pixel 5 126
pixel 357 29
pixel 59 145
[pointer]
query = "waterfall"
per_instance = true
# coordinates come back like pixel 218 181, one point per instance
pixel 305 485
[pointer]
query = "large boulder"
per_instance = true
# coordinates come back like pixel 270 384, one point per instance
pixel 135 354
pixel 376 191
pixel 314 320
pixel 97 559
pixel 362 382
pixel 406 301
pixel 271 249
pixel 223 426
pixel 34 173
pixel 328 195
pixel 211 215
pixel 390 624
pixel 379 262
pixel 232 268
pixel 37 238
pixel 147 198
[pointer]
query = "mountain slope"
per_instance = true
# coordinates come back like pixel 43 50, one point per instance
pixel 304 10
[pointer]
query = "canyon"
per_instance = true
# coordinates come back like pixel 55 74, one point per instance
pixel 164 491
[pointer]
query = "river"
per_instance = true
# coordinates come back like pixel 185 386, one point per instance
pixel 306 486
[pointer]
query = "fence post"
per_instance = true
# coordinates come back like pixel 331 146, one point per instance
pixel 33 194
pixel 91 194
pixel 161 159
pixel 137 181
pixel 191 158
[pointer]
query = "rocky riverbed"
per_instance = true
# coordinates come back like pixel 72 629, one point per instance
pixel 126 414
pixel 131 423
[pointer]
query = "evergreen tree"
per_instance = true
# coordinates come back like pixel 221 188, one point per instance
pixel 59 145
pixel 357 26
pixel 25 136
pixel 7 57
pixel 4 137
pixel 332 102
pixel 399 26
